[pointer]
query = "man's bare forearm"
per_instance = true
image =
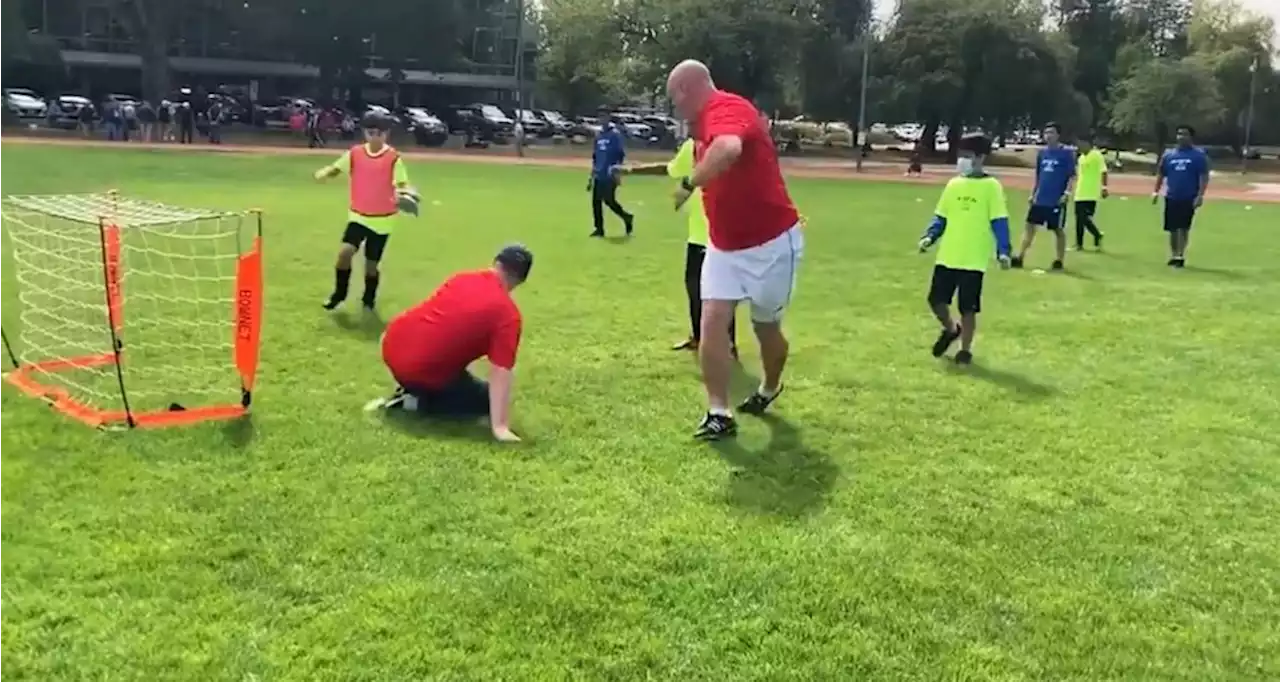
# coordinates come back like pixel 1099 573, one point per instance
pixel 644 169
pixel 722 153
pixel 499 397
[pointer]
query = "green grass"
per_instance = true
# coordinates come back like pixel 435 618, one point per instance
pixel 1097 501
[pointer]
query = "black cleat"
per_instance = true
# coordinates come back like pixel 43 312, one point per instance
pixel 629 222
pixel 758 402
pixel 597 233
pixel 332 303
pixel 964 357
pixel 1097 243
pixel 1016 262
pixel 1057 266
pixel 1179 263
pixel 715 427
pixel 945 339
pixel 1172 262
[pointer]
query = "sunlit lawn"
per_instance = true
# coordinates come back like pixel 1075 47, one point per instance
pixel 1098 499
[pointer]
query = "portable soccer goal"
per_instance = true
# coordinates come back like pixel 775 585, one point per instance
pixel 132 313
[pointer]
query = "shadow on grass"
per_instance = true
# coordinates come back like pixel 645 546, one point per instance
pixel 1012 381
pixel 239 432
pixel 366 324
pixel 618 239
pixel 1076 274
pixel 436 428
pixel 1215 272
pixel 785 478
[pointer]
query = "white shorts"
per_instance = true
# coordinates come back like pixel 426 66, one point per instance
pixel 763 275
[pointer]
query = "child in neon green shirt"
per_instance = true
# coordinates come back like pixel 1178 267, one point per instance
pixel 970 223
pixel 1091 187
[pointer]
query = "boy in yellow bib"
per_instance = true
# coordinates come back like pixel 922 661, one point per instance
pixel 696 251
pixel 970 224
pixel 1091 187
pixel 379 190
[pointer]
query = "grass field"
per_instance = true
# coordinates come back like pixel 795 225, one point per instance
pixel 1098 499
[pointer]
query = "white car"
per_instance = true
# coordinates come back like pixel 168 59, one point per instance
pixel 382 111
pixel 25 103
pixel 422 117
pixel 634 126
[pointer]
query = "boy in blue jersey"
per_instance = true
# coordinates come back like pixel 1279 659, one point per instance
pixel 971 223
pixel 1184 173
pixel 610 151
pixel 1055 174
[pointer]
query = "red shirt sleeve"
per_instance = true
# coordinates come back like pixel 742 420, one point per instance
pixel 732 117
pixel 505 340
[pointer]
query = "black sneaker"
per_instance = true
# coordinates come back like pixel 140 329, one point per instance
pixel 1172 262
pixel 1097 243
pixel 1016 262
pixel 964 357
pixel 945 339
pixel 715 427
pixel 332 303
pixel 597 233
pixel 629 222
pixel 1057 266
pixel 758 402
pixel 1179 263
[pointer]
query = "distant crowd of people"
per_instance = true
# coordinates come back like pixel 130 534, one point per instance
pixel 168 121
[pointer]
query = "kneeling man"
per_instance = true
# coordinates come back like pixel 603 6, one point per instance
pixel 428 347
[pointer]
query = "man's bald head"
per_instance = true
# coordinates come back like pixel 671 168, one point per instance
pixel 688 87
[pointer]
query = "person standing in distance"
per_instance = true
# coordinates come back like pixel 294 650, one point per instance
pixel 610 151
pixel 696 250
pixel 428 347
pixel 755 241
pixel 378 179
pixel 1055 172
pixel 1184 172
pixel 1091 187
pixel 970 223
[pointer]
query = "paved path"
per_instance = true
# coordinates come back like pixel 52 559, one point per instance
pixel 1018 178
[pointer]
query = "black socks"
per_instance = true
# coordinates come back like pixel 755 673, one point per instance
pixel 370 290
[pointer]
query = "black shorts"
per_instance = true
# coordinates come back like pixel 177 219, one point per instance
pixel 1178 214
pixel 1086 209
pixel 374 242
pixel 1048 216
pixel 463 398
pixel 947 281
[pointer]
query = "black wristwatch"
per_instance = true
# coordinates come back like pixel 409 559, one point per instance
pixel 686 185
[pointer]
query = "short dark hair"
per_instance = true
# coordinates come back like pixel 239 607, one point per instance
pixel 516 260
pixel 1191 130
pixel 978 143
pixel 1053 124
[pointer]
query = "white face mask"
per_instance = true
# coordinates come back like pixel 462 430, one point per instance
pixel 964 166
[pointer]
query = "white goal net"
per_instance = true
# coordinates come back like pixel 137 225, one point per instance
pixel 133 312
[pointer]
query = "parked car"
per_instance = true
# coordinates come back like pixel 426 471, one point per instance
pixel 632 125
pixel 122 99
pixel 496 118
pixel 532 124
pixel 276 112
pixel 427 128
pixel 384 111
pixel 558 122
pixel 65 110
pixel 25 103
pixel 472 121
pixel 586 126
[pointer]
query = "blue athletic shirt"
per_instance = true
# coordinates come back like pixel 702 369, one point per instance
pixel 1055 166
pixel 609 152
pixel 1182 169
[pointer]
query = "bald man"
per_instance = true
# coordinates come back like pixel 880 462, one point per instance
pixel 755 238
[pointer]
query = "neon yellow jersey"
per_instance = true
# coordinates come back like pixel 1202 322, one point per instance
pixel 969 205
pixel 380 224
pixel 1089 183
pixel 679 167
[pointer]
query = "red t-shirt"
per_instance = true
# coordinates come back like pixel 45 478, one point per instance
pixel 747 205
pixel 469 317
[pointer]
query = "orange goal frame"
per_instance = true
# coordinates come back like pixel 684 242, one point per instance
pixel 246 325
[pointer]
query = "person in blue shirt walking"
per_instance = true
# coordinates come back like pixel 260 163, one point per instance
pixel 609 153
pixel 1055 174
pixel 1184 174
